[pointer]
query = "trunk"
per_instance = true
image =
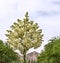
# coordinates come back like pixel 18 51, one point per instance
pixel 24 56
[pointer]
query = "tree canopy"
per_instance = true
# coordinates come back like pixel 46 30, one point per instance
pixel 24 34
pixel 51 53
pixel 6 54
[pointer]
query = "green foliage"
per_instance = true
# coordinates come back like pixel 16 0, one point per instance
pixel 6 54
pixel 51 54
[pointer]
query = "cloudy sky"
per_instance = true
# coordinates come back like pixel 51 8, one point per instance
pixel 45 12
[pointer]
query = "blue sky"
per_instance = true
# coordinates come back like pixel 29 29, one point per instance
pixel 45 12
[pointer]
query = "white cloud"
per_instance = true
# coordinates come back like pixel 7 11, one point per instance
pixel 50 26
pixel 6 7
pixel 28 5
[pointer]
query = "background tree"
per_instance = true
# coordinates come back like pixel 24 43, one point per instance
pixel 53 50
pixel 24 34
pixel 51 53
pixel 6 54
